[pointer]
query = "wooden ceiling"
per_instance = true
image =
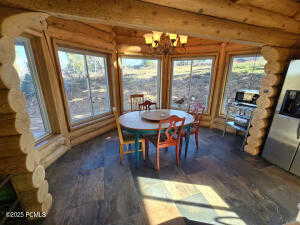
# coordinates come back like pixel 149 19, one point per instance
pixel 130 36
pixel 260 22
pixel 278 14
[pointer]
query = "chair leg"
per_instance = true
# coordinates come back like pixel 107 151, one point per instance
pixel 157 159
pixel 147 148
pixel 180 146
pixel 177 154
pixel 121 150
pixel 196 140
pixel 144 150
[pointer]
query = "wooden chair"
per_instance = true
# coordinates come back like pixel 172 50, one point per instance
pixel 127 139
pixel 146 105
pixel 135 100
pixel 197 111
pixel 170 136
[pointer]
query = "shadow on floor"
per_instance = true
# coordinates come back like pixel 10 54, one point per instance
pixel 179 220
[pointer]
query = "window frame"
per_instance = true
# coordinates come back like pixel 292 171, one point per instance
pixel 214 57
pixel 86 50
pixel 228 67
pixel 35 69
pixel 160 70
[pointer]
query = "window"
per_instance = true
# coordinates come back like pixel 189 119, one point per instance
pixel 140 76
pixel 245 72
pixel 85 82
pixel 191 80
pixel 30 86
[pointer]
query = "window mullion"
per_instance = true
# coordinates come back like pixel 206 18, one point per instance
pixel 89 85
pixel 189 90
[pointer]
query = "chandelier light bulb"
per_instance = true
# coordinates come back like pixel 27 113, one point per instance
pixel 148 38
pixel 172 36
pixel 156 35
pixel 183 39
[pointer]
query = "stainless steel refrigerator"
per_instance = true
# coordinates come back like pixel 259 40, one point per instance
pixel 282 145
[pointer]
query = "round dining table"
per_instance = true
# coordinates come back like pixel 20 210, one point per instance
pixel 134 124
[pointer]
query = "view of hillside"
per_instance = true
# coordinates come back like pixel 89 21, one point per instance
pixel 88 94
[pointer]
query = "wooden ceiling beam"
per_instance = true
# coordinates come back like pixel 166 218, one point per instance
pixel 149 16
pixel 284 7
pixel 226 9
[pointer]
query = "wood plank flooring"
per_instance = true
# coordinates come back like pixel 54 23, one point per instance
pixel 219 184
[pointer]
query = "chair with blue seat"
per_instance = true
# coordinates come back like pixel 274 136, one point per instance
pixel 127 139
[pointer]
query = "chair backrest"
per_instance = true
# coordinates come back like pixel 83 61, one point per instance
pixel 196 107
pixel 146 105
pixel 173 131
pixel 135 100
pixel 120 134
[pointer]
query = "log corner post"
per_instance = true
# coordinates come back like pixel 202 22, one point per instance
pixel 277 59
pixel 17 155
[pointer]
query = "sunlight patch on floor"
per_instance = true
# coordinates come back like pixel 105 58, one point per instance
pixel 167 200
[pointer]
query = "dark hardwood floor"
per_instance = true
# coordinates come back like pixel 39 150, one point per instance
pixel 219 184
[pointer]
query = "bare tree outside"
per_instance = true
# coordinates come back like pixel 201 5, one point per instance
pixel 140 76
pixel 29 84
pixel 85 83
pixel 245 72
pixel 191 82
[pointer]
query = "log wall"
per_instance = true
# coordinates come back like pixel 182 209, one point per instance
pixel 17 154
pixel 277 61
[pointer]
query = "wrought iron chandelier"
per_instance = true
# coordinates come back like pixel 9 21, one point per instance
pixel 164 43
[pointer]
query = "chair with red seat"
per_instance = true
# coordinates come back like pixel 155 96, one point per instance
pixel 197 111
pixel 169 134
pixel 146 105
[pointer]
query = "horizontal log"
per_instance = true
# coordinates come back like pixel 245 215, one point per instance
pixel 43 191
pixel 79 38
pixel 47 203
pixel 29 181
pixel 275 67
pixel 134 49
pixel 102 27
pixel 254 141
pixel 53 156
pixel 11 100
pixel 272 80
pixel 18 164
pixel 257 133
pixel 259 123
pixel 276 54
pixel 16 145
pixel 265 102
pixel 7 49
pixel 35 206
pixel 252 150
pixel 235 12
pixel 143 15
pixel 15 126
pixel 196 49
pixel 34 198
pixel 15 21
pixel 268 91
pixel 261 113
pixel 286 7
pixel 79 28
pixel 9 78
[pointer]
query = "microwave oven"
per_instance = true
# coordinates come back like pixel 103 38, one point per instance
pixel 247 97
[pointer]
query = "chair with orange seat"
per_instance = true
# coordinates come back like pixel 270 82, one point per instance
pixel 169 134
